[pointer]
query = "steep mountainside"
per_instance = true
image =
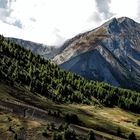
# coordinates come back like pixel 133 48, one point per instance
pixel 48 52
pixel 36 101
pixel 110 53
pixel 22 67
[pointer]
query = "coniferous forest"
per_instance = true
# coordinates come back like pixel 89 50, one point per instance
pixel 21 67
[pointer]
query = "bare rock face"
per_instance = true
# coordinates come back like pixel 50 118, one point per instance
pixel 109 53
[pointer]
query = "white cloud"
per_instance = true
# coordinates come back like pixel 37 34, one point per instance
pixel 125 8
pixel 53 21
pixel 103 7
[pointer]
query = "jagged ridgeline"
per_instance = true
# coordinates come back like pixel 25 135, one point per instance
pixel 21 67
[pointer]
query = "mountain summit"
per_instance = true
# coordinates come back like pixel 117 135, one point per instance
pixel 109 53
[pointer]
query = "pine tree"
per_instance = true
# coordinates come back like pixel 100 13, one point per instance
pixel 132 136
pixel 91 135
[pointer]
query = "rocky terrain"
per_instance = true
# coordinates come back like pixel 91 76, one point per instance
pixel 109 53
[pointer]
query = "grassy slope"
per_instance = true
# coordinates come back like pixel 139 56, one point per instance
pixel 104 121
pixel 8 120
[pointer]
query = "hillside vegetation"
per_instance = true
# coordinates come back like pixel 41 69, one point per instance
pixel 23 68
pixel 106 123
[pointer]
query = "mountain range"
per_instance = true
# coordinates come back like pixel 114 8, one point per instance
pixel 109 53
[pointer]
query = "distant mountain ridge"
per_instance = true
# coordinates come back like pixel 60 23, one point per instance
pixel 109 53
pixel 48 52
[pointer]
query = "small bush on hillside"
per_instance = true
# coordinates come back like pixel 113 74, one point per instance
pixel 57 136
pixel 138 122
pixel 91 135
pixel 72 118
pixel 119 133
pixel 132 136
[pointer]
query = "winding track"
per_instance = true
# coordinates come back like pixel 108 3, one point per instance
pixel 28 111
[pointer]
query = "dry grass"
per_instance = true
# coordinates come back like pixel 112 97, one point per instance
pixel 33 124
pixel 114 116
pixel 8 120
pixel 105 120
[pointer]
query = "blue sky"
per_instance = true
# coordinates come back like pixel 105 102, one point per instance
pixel 53 21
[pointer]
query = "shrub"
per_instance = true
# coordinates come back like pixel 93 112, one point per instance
pixel 132 136
pixel 69 135
pixel 45 134
pixel 119 133
pixel 57 136
pixel 138 122
pixel 72 118
pixel 91 135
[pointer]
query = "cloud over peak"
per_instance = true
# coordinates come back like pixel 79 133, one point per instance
pixel 103 7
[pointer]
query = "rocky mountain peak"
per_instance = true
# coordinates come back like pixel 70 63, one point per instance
pixel 121 25
pixel 109 53
pixel 126 20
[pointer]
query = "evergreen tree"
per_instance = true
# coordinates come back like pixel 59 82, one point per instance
pixel 138 122
pixel 119 133
pixel 91 135
pixel 132 136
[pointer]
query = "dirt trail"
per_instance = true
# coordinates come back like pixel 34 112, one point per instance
pixel 84 131
pixel 28 111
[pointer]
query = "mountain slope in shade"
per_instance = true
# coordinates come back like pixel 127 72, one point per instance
pixel 48 52
pixel 110 53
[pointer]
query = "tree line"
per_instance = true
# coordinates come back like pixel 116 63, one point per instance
pixel 22 67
